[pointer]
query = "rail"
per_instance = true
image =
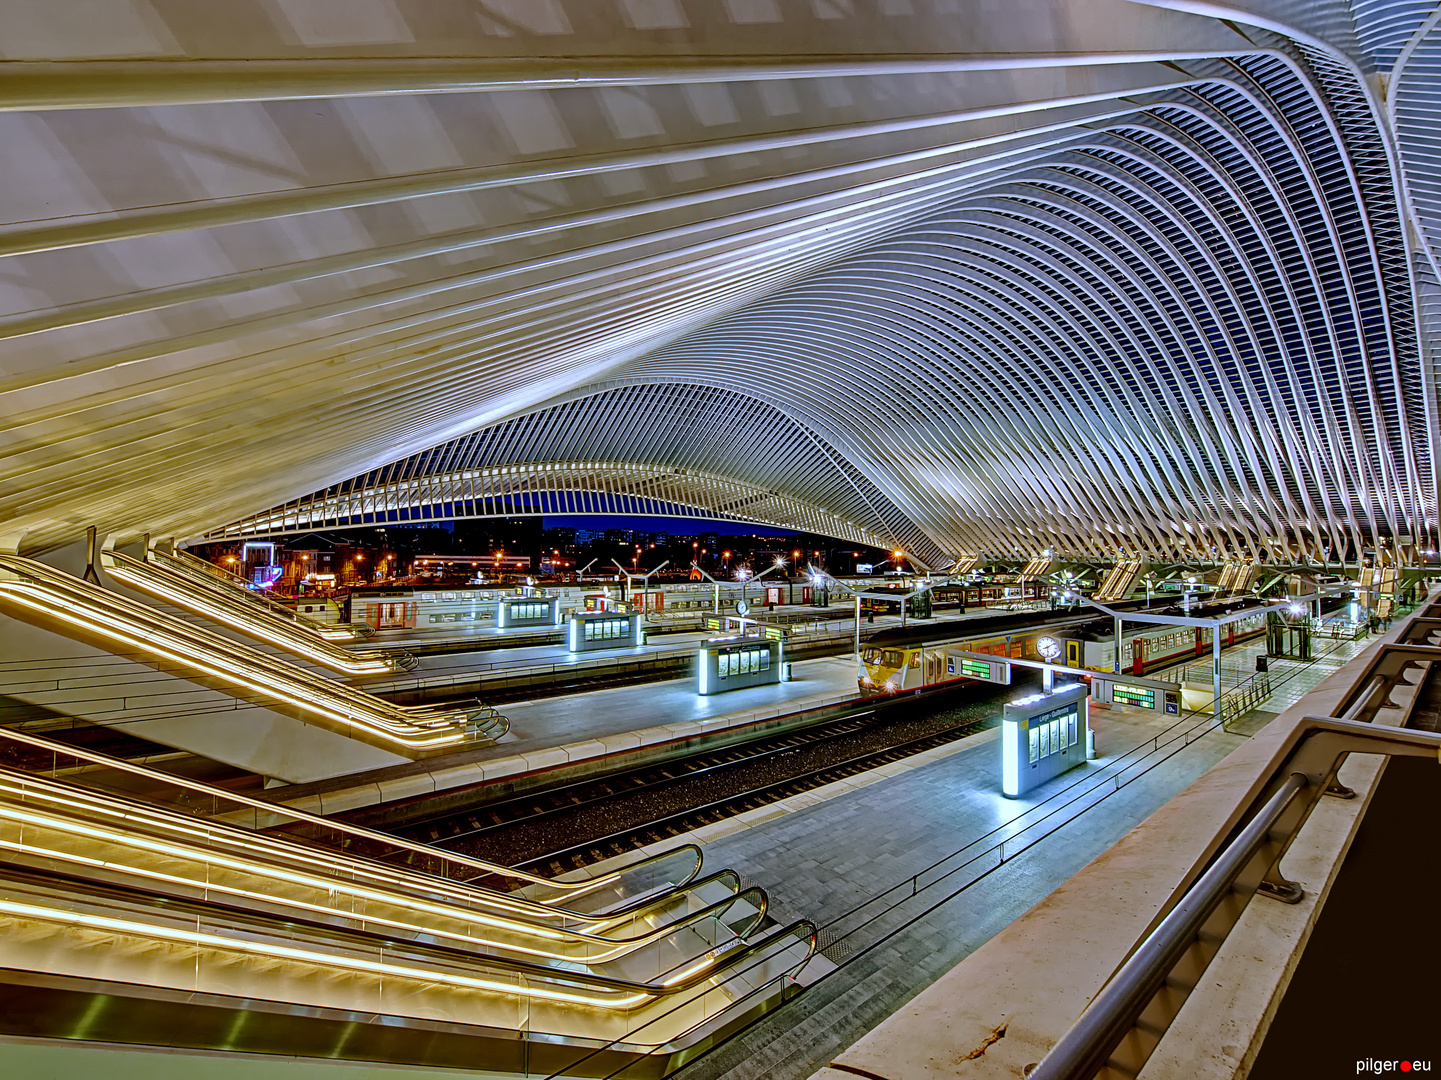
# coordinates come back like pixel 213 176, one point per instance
pixel 1239 700
pixel 75 608
pixel 586 900
pixel 221 605
pixel 1246 859
pixel 196 896
pixel 197 569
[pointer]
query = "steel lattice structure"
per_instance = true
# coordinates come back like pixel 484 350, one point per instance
pixel 1087 275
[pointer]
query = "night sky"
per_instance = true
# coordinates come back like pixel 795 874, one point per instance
pixel 673 526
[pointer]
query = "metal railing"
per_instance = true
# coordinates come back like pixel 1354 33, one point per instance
pixel 78 609
pixel 182 562
pixel 1239 700
pixel 1243 860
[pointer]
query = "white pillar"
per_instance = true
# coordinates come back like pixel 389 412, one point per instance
pixel 858 632
pixel 1216 671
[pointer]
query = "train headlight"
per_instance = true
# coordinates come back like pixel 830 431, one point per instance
pixel 891 685
pixel 866 679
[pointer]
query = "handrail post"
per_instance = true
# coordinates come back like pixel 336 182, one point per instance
pixel 1249 862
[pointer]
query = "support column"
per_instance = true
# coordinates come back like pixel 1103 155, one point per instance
pixel 1216 672
pixel 858 635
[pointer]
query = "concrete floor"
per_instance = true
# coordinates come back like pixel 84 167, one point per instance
pixel 600 713
pixel 822 861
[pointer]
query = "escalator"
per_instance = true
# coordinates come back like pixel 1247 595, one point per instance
pixel 157 921
pixel 134 633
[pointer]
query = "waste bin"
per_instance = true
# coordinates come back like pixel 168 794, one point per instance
pixel 1261 663
pixel 786 671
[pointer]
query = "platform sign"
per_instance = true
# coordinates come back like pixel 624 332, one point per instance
pixel 1142 697
pixel 992 671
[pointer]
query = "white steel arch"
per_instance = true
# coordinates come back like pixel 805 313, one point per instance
pixel 1090 275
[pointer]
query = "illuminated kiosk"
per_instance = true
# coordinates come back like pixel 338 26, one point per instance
pixel 513 611
pixel 735 662
pixel 1041 737
pixel 603 630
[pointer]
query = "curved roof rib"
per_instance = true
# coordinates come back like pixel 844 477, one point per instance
pixel 668 450
pixel 1092 275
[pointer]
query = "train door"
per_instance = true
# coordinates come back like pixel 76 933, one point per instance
pixel 1230 634
pixel 1200 640
pixel 773 596
pixel 1073 654
pixel 392 616
pixel 1138 656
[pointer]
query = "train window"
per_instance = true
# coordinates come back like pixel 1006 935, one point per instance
pixel 891 658
pixel 871 655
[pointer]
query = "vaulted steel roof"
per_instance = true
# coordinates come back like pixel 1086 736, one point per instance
pixel 1080 274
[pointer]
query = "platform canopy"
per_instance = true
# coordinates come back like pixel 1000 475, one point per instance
pixel 959 276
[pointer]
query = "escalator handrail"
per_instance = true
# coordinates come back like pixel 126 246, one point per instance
pixel 579 888
pixel 190 910
pixel 260 622
pixel 146 826
pixel 153 628
pixel 182 563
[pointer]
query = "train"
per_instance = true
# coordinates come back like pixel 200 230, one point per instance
pixel 909 658
pixel 899 660
pixel 1147 648
pixel 438 607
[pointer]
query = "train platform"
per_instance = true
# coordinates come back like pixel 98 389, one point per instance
pixel 933 989
pixel 438 673
pixel 1024 980
pixel 829 853
pixel 558 732
pixel 535 661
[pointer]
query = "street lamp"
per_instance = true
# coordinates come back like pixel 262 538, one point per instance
pixel 743 574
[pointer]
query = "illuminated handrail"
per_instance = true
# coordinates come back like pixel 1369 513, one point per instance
pixel 155 916
pixel 217 603
pixel 60 827
pixel 554 896
pixel 43 594
pixel 184 564
pixel 440 942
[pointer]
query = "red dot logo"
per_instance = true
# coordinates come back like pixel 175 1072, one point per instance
pixel 1405 1066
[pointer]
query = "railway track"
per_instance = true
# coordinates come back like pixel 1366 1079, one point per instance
pixel 567 827
pixel 625 840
